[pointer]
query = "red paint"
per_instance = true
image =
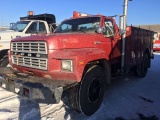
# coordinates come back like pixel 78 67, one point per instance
pixel 156 45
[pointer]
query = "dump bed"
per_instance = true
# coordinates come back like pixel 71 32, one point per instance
pixel 138 41
pixel 49 18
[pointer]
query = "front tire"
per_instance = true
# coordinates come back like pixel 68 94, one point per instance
pixel 4 61
pixel 90 91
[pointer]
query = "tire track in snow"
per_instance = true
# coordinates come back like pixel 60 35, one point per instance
pixel 7 98
pixel 50 110
pixel 8 105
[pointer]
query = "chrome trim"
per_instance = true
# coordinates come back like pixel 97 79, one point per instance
pixel 29 61
pixel 97 42
pixel 29 47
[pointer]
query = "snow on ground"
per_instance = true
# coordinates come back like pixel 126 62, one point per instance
pixel 129 99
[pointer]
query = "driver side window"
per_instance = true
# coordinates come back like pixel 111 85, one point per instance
pixel 109 28
pixel 32 28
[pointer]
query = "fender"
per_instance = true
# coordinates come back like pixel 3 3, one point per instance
pixel 80 57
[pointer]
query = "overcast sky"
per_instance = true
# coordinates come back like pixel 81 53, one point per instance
pixel 139 12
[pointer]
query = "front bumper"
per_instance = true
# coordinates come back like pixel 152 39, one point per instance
pixel 34 88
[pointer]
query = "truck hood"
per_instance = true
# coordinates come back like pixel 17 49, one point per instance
pixel 63 40
pixel 9 34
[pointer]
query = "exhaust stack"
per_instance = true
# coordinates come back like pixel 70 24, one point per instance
pixel 123 25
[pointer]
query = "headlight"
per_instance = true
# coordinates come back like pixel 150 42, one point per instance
pixel 67 65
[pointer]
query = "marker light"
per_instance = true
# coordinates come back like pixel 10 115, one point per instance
pixel 30 13
pixel 79 14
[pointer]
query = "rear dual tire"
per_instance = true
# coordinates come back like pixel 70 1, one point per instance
pixel 142 69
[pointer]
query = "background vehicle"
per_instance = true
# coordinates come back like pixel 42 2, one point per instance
pixel 29 25
pixel 156 42
pixel 81 56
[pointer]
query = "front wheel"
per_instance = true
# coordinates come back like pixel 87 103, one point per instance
pixel 90 91
pixel 4 61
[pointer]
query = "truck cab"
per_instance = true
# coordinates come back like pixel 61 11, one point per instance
pixel 27 26
pixel 22 28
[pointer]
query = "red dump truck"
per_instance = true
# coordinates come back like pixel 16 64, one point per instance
pixel 80 56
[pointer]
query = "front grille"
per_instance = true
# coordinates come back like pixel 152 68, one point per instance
pixel 30 47
pixel 30 54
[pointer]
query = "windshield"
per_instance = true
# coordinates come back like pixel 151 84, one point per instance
pixel 19 26
pixel 88 24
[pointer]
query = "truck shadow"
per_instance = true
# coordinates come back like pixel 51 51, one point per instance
pixel 28 110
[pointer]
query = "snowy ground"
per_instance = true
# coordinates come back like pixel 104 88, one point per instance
pixel 129 99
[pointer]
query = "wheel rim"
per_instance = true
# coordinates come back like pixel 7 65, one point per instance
pixel 94 91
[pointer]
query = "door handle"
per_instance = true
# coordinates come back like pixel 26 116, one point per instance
pixel 97 42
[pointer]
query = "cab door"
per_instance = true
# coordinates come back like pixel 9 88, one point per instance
pixel 35 28
pixel 111 32
pixel 109 40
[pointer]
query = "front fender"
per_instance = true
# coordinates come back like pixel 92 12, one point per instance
pixel 80 57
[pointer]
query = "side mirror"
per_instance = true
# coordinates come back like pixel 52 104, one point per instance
pixel 99 31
